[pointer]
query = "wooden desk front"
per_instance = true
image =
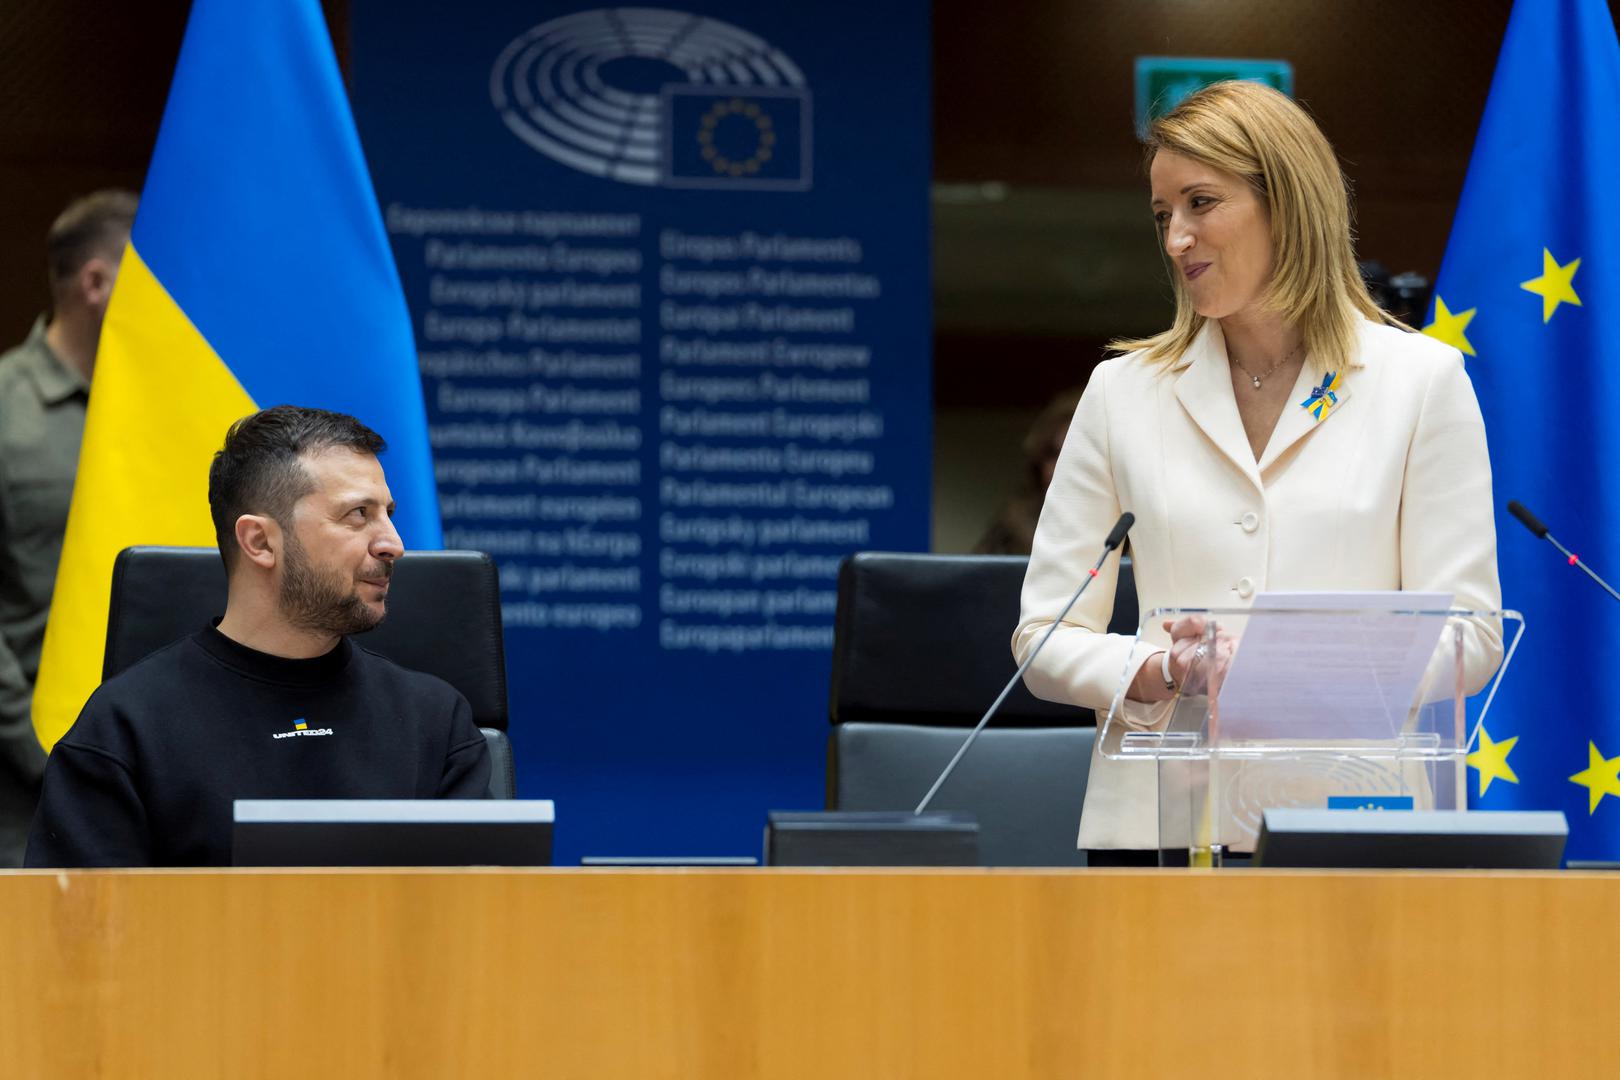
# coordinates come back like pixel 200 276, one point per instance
pixel 579 973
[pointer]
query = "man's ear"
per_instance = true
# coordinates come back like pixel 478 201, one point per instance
pixel 259 538
pixel 95 280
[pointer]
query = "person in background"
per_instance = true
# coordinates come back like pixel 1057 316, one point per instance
pixel 1013 529
pixel 1283 434
pixel 44 387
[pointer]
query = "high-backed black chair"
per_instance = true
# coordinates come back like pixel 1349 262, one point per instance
pixel 444 618
pixel 921 647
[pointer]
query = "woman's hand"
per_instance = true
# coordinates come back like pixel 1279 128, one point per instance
pixel 1190 667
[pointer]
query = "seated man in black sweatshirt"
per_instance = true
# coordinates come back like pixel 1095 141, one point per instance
pixel 274 701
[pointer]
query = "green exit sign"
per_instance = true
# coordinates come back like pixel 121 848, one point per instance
pixel 1162 81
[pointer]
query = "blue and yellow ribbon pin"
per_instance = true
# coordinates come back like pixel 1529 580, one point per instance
pixel 1322 397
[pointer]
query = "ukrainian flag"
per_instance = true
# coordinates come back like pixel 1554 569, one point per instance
pixel 1530 292
pixel 258 273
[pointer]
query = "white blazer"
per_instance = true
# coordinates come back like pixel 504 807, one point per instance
pixel 1390 490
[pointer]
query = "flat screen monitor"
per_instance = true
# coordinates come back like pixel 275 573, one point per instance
pixel 667 862
pixel 872 838
pixel 392 832
pixel 1426 839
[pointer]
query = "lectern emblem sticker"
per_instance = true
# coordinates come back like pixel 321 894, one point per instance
pixel 658 98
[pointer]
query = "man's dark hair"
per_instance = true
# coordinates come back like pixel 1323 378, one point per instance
pixel 258 470
pixel 97 224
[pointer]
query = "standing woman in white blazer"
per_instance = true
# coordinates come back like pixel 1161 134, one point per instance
pixel 1283 434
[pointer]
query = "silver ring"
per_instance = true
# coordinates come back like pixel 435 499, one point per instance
pixel 1200 652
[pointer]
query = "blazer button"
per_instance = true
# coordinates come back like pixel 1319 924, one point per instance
pixel 1245 587
pixel 1250 521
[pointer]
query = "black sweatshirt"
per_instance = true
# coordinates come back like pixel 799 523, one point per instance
pixel 147 774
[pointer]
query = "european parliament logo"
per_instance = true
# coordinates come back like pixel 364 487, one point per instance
pixel 658 98
pixel 1370 802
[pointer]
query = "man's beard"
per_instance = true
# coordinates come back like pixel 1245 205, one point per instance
pixel 312 602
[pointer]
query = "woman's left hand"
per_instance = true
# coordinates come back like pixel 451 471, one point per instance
pixel 1191 665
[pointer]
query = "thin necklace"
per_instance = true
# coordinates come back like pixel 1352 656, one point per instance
pixel 1289 355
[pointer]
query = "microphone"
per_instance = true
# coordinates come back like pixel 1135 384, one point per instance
pixel 1528 520
pixel 1116 536
pixel 1533 523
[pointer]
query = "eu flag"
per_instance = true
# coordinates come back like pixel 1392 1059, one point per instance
pixel 739 138
pixel 1530 292
pixel 258 273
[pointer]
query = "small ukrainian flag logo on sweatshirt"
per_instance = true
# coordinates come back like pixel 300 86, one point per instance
pixel 300 727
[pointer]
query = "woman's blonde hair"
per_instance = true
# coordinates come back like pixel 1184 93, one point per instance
pixel 1261 135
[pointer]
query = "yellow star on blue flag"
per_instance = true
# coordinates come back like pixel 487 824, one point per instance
pixel 1491 760
pixel 1449 328
pixel 1543 374
pixel 1555 285
pixel 1600 777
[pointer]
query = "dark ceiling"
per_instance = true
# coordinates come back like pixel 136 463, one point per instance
pixel 1042 249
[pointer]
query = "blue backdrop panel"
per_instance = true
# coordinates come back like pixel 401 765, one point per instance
pixel 669 276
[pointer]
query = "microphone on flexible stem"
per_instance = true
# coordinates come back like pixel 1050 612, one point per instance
pixel 1533 523
pixel 1116 537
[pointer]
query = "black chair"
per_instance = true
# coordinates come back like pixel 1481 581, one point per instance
pixel 921 647
pixel 444 618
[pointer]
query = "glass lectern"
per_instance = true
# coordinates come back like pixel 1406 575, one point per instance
pixel 1310 707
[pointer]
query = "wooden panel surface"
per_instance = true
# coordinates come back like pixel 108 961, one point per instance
pixel 812 974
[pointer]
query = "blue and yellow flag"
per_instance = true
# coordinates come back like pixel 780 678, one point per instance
pixel 1530 292
pixel 258 273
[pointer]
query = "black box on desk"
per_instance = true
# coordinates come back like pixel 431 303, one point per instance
pixel 872 838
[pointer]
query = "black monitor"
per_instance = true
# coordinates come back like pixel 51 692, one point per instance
pixel 670 862
pixel 1426 839
pixel 392 832
pixel 872 838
